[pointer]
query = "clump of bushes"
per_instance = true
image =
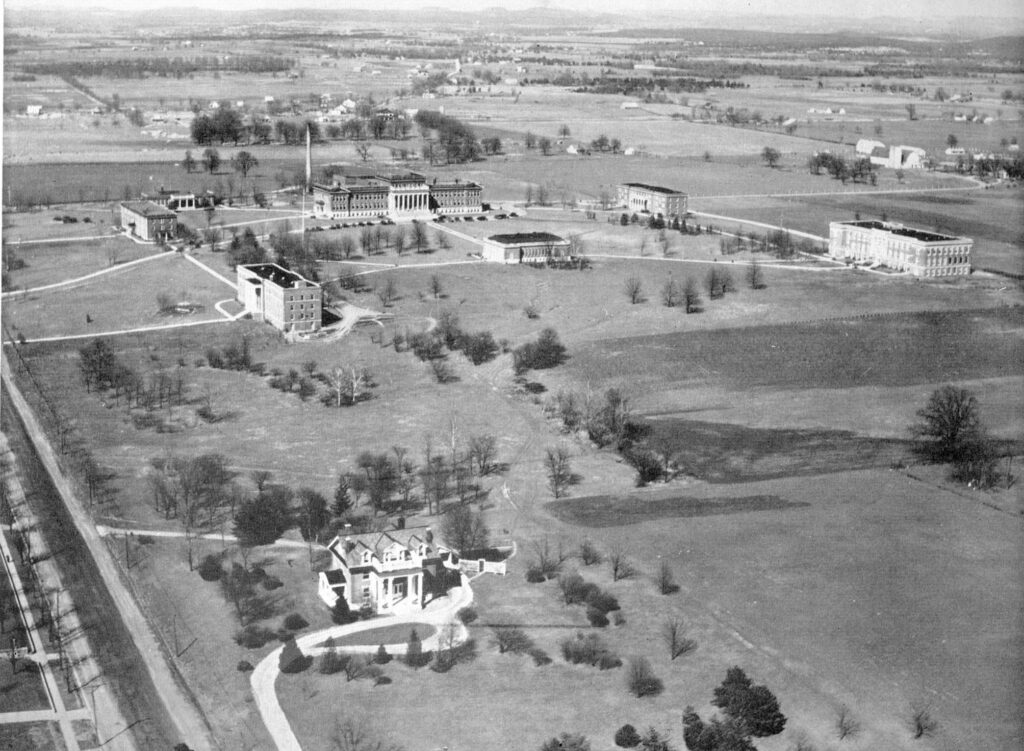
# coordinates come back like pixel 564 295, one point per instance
pixel 641 680
pixel 589 649
pixel 547 352
pixel 576 591
pixel 512 639
pixel 209 568
pixel 539 656
pixel 244 666
pixel 254 636
pixel 292 660
pixel 627 737
pixel 295 622
pixel 467 615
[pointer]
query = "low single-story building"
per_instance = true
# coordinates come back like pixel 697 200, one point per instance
pixel 149 221
pixel 526 247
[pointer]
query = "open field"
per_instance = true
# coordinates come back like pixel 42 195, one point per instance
pixel 51 263
pixel 36 316
pixel 830 587
pixel 993 218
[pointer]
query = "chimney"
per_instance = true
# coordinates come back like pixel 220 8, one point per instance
pixel 429 536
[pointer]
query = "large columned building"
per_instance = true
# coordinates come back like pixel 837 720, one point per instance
pixel 917 252
pixel 406 195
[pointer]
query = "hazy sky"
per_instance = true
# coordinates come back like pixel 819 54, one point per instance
pixel 839 8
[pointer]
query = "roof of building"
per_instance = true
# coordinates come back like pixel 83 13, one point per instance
pixel 148 209
pixel 377 543
pixel 523 238
pixel 655 189
pixel 278 275
pixel 899 229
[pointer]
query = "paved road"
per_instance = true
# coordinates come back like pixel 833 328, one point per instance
pixel 187 718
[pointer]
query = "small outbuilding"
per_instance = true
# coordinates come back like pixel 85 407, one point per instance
pixel 526 247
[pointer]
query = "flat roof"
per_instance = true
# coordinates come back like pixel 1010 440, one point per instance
pixel 280 276
pixel 893 229
pixel 521 238
pixel 147 209
pixel 655 189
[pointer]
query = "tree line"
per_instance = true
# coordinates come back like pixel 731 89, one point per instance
pixel 164 67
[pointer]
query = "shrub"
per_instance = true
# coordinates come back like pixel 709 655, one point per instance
pixel 209 569
pixel 618 618
pixel 382 657
pixel 292 660
pixel 511 639
pixel 641 680
pixel 341 614
pixel 567 742
pixel 534 574
pixel 295 622
pixel 597 618
pixel 467 615
pixel 215 358
pixel 627 737
pixel 574 589
pixel 666 580
pixel 589 554
pixel 332 662
pixel 539 656
pixel 254 636
pixel 602 601
pixel 415 657
pixel 588 649
pixel 244 666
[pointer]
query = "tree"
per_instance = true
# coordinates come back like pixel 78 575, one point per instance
pixel 949 422
pixel 511 639
pixel 911 111
pixel 236 584
pixel 544 144
pixel 627 737
pixel 363 149
pixel 211 159
pixel 673 633
pixel 464 529
pixel 621 567
pixel 670 293
pixel 717 735
pixel 951 141
pixel 263 519
pixel 755 275
pixel 243 161
pixel 771 156
pixel 640 678
pixel 633 288
pixel 691 296
pixel 479 347
pixel 559 470
pixel 436 288
pixel 755 706
pixel 189 162
pixel 666 581
pixel 483 450
pixel 414 655
pixel 313 515
pixel 567 742
pixel 563 131
pixel 358 735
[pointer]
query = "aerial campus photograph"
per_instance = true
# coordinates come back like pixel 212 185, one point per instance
pixel 532 376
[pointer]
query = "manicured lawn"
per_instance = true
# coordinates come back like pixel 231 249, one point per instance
pixel 22 691
pixel 38 736
pixel 125 299
pixel 387 635
pixel 49 264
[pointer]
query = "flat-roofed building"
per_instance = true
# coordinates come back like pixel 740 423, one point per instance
pixel 918 252
pixel 149 221
pixel 405 195
pixel 653 199
pixel 526 247
pixel 280 297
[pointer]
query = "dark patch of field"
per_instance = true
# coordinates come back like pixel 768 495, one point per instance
pixel 395 634
pixel 725 453
pixel 615 511
pixel 882 350
pixel 24 690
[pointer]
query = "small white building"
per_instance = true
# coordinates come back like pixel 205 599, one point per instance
pixel 526 247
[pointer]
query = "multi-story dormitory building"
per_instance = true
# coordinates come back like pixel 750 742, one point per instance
pixel 280 297
pixel 653 199
pixel 404 195
pixel 918 252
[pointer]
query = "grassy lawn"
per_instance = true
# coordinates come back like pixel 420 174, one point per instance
pixel 39 736
pixel 47 264
pixel 387 635
pixel 22 691
pixel 135 305
pixel 836 600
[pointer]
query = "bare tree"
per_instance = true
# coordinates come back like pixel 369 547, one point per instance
pixel 755 275
pixel 666 581
pixel 418 236
pixel 559 470
pixel 483 449
pixel 388 291
pixel 358 735
pixel 436 288
pixel 621 567
pixel 691 296
pixel 671 295
pixel 634 289
pixel 847 726
pixel 673 633
pixel 363 149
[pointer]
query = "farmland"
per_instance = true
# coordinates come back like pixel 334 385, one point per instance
pixel 808 542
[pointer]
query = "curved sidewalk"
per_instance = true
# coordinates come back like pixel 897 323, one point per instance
pixel 264 677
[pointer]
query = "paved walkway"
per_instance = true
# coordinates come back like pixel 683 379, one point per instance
pixel 103 531
pixel 264 677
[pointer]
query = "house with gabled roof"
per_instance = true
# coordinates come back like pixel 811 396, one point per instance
pixel 387 572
